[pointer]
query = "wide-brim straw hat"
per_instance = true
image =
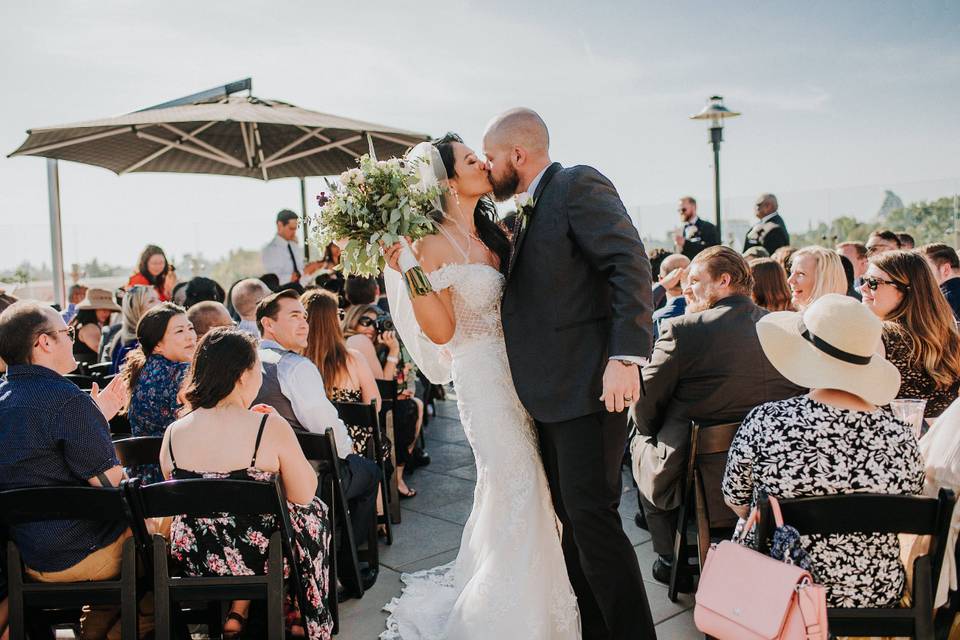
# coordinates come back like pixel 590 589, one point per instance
pixel 98 299
pixel 833 344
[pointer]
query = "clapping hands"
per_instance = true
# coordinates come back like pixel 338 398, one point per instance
pixel 112 399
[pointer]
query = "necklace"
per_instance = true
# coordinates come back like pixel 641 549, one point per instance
pixel 468 235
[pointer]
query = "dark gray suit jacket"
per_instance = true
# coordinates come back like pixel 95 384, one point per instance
pixel 707 367
pixel 578 292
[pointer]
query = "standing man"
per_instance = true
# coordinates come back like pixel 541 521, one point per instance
pixel 282 256
pixel 574 352
pixel 770 231
pixel 697 234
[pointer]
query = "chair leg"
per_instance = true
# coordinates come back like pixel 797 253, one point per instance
pixel 161 590
pixel 128 591
pixel 15 582
pixel 394 491
pixel 679 552
pixel 332 600
pixel 275 620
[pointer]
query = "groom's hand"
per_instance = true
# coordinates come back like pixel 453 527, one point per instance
pixel 621 385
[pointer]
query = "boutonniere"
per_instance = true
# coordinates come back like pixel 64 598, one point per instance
pixel 525 203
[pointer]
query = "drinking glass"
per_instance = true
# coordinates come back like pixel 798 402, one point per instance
pixel 910 410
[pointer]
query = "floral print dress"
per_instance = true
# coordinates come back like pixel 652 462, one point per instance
pixel 154 406
pixel 799 448
pixel 237 545
pixel 915 381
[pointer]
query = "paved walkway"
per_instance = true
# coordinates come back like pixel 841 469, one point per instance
pixel 432 522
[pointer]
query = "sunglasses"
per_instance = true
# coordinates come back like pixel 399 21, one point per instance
pixel 366 322
pixel 872 283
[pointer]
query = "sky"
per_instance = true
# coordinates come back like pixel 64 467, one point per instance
pixel 840 101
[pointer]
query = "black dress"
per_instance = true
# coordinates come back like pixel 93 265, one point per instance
pixel 915 382
pixel 237 545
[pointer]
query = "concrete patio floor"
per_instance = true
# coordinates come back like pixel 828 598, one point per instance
pixel 432 522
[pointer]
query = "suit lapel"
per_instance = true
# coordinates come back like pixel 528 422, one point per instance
pixel 548 175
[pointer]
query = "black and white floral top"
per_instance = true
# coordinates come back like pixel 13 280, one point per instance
pixel 798 448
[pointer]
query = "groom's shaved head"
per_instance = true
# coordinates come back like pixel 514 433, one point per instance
pixel 521 127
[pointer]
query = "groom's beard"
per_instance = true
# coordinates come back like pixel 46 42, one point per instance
pixel 505 187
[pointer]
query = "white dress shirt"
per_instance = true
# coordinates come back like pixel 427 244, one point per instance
pixel 276 258
pixel 301 383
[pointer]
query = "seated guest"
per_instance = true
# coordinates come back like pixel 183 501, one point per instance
pixel 154 373
pixel 75 296
pixel 222 438
pixel 919 331
pixel 200 289
pixel 657 256
pixel 92 315
pixel 882 240
pixel 856 253
pixel 755 253
pixel 360 290
pixel 5 301
pixel 208 314
pixel 152 270
pixel 55 434
pixel 707 367
pixel 770 288
pixel 851 279
pixel 907 243
pixel 671 269
pixel 292 384
pixel 814 272
pixel 136 301
pixel 246 295
pixel 784 257
pixel 946 269
pixel 838 439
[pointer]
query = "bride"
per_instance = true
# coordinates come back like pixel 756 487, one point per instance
pixel 509 576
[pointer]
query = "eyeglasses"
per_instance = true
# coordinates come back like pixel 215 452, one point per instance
pixel 872 283
pixel 70 331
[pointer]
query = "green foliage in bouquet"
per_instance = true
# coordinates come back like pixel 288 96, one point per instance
pixel 381 201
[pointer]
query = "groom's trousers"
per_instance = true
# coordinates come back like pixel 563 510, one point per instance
pixel 582 460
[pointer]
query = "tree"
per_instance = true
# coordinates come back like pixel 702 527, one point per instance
pixel 926 221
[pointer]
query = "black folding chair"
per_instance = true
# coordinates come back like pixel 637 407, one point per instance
pixel 875 513
pixel 209 498
pixel 83 381
pixel 120 426
pixel 100 372
pixel 133 452
pixel 365 417
pixel 708 447
pixel 321 450
pixel 388 411
pixel 18 506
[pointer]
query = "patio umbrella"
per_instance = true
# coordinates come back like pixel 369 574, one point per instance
pixel 213 132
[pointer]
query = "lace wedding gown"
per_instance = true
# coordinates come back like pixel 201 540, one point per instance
pixel 509 579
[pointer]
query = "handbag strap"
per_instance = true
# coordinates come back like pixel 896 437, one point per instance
pixel 754 517
pixel 810 612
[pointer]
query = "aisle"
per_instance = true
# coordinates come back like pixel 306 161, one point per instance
pixel 429 535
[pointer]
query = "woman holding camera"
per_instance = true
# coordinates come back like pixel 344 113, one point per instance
pixel 365 328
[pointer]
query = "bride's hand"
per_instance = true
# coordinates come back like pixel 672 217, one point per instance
pixel 392 255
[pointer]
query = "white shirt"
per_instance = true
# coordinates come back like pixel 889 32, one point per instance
pixel 276 258
pixel 301 383
pixel 768 217
pixel 250 326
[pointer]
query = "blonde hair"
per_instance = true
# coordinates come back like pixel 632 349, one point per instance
pixel 830 276
pixel 353 315
pixel 133 309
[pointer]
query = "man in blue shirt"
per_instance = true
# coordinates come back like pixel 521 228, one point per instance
pixel 55 434
pixel 671 272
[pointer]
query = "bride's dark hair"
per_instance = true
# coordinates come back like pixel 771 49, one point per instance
pixel 485 214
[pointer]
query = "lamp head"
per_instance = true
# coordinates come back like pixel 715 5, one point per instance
pixel 715 112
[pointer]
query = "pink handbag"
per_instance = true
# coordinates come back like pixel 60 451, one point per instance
pixel 746 595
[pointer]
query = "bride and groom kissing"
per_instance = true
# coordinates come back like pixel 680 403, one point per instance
pixel 542 335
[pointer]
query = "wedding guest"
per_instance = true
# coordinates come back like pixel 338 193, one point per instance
pixel 882 240
pixel 671 270
pixel 815 272
pixel 154 373
pixel 919 332
pixel 755 253
pixel 75 296
pixel 696 234
pixel 200 289
pixel 55 434
pixel 784 256
pixel 5 301
pixel 907 243
pixel 292 384
pixel 220 438
pixel 152 270
pixel 282 256
pixel 707 367
pixel 945 263
pixel 136 301
pixel 770 288
pixel 656 257
pixel 842 425
pixel 208 314
pixel 246 295
pixel 848 274
pixel 856 253
pixel 92 315
pixel 360 290
pixel 770 231
pixel 331 257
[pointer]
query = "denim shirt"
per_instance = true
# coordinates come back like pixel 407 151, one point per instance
pixel 52 433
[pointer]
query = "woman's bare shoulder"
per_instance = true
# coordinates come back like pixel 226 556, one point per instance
pixel 433 252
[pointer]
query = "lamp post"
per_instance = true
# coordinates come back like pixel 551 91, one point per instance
pixel 715 112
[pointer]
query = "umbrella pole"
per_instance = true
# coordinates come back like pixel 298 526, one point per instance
pixel 56 232
pixel 306 221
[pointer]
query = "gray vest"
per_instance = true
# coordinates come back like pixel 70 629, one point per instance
pixel 270 392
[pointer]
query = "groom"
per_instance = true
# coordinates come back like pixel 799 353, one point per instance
pixel 577 323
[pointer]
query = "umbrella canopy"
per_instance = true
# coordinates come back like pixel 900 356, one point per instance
pixel 229 135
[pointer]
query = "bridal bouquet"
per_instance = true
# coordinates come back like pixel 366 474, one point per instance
pixel 381 201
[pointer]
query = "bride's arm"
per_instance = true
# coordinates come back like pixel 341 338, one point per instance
pixel 434 311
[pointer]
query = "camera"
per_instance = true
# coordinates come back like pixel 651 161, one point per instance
pixel 384 323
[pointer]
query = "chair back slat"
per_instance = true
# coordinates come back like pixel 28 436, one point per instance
pixel 862 513
pixel 358 414
pixel 36 504
pixel 712 439
pixel 137 451
pixel 206 497
pixel 388 390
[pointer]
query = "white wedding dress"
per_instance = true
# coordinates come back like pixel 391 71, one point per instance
pixel 509 579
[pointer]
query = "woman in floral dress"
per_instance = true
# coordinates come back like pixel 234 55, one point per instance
pixel 221 438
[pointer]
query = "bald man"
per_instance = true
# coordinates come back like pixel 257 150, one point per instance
pixel 577 323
